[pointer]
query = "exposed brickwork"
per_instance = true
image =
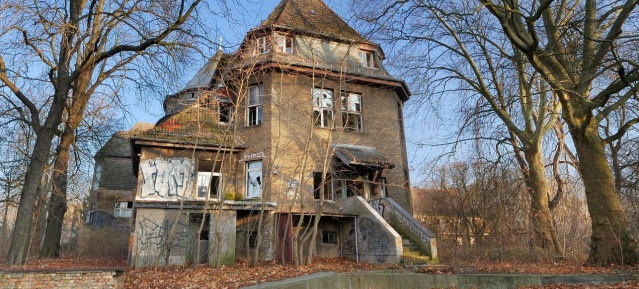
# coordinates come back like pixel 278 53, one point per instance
pixel 66 279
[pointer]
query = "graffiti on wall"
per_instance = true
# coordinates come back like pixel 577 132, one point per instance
pixel 378 206
pixel 166 179
pixel 292 185
pixel 156 238
pixel 372 239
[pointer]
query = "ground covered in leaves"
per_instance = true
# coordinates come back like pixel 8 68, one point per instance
pixel 238 275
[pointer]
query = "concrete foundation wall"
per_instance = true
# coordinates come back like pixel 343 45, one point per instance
pixel 222 236
pixel 368 238
pixel 159 232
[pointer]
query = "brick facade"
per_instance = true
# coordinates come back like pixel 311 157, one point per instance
pixel 97 279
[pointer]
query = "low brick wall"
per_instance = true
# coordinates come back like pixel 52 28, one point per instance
pixel 62 279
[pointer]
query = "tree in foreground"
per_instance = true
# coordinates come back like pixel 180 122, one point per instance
pixel 69 41
pixel 584 50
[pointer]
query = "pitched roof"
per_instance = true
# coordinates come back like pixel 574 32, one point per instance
pixel 118 144
pixel 203 77
pixel 193 125
pixel 311 17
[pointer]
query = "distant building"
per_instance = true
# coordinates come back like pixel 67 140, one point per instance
pixel 303 111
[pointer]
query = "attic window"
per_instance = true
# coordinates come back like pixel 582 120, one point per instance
pixel 285 43
pixel 263 45
pixel 368 59
pixel 225 111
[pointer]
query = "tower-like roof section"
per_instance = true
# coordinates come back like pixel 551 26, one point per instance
pixel 311 17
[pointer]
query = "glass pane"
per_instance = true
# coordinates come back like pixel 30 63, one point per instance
pixel 203 184
pixel 254 179
pixel 354 103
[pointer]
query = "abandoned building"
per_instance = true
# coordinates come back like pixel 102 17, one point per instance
pixel 302 125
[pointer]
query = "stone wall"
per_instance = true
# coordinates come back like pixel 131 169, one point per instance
pixel 62 279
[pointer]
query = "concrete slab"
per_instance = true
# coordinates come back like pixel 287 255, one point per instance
pixel 402 280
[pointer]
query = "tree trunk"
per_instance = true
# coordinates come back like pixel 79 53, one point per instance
pixel 24 220
pixel 611 241
pixel 545 234
pixel 58 202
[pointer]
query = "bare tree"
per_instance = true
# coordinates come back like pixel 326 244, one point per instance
pixel 69 40
pixel 582 50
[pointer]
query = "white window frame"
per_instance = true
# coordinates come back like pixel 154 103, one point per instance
pixel 248 182
pixel 207 177
pixel 263 45
pixel 368 59
pixel 282 43
pixel 122 210
pixel 351 104
pixel 323 107
pixel 254 109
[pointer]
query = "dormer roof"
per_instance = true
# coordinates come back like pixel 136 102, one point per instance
pixel 311 17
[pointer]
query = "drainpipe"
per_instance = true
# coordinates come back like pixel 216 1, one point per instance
pixel 356 240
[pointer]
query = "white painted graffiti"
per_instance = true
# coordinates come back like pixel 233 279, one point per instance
pixel 168 179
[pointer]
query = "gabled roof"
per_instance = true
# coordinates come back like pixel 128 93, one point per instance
pixel 311 17
pixel 118 144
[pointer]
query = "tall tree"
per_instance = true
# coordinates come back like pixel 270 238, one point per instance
pixel 460 53
pixel 583 49
pixel 64 39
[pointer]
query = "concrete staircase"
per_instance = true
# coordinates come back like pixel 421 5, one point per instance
pixel 413 255
pixel 419 244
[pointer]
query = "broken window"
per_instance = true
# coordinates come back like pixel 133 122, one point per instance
pixel 225 111
pixel 329 237
pixel 254 179
pixel 329 191
pixel 123 209
pixel 254 107
pixel 285 43
pixel 209 180
pixel 263 45
pixel 352 111
pixel 368 59
pixel 322 107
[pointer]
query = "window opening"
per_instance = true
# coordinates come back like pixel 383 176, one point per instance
pixel 352 111
pixel 329 237
pixel 254 115
pixel 329 190
pixel 322 107
pixel 254 179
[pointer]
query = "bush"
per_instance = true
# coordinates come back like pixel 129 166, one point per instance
pixel 105 242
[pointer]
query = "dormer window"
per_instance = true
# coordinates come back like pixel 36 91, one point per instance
pixel 368 59
pixel 263 45
pixel 285 43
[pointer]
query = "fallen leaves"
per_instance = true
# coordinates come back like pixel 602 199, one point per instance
pixel 239 275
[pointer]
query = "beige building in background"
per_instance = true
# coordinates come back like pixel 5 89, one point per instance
pixel 302 118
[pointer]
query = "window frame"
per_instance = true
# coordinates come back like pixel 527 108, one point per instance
pixel 328 184
pixel 256 108
pixel 230 111
pixel 282 47
pixel 123 209
pixel 347 112
pixel 329 237
pixel 262 45
pixel 248 170
pixel 219 185
pixel 323 111
pixel 367 58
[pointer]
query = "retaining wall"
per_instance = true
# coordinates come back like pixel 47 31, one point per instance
pixel 110 279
